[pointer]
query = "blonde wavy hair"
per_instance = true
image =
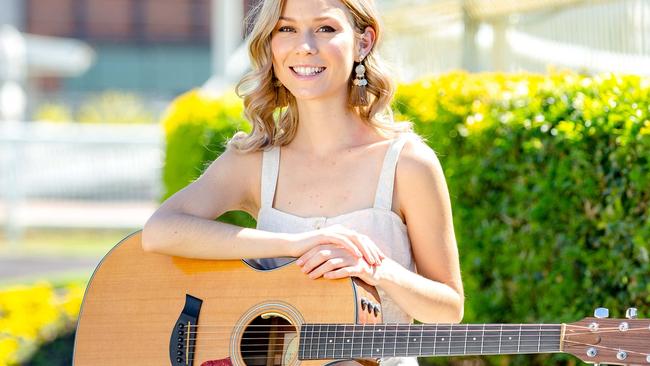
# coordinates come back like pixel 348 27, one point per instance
pixel 276 125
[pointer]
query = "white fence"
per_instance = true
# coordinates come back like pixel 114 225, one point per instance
pixel 76 175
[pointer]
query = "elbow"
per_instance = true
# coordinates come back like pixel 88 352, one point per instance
pixel 151 235
pixel 460 312
pixel 455 310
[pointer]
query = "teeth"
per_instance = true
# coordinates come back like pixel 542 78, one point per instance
pixel 307 71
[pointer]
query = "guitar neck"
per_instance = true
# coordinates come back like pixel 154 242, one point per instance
pixel 341 341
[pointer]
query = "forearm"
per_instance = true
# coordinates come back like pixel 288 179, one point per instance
pixel 194 237
pixel 426 300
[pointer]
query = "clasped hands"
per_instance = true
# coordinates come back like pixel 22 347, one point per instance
pixel 337 252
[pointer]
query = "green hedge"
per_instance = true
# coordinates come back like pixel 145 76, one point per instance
pixel 550 182
pixel 196 129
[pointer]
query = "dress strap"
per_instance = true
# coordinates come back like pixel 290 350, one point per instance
pixel 270 167
pixel 384 195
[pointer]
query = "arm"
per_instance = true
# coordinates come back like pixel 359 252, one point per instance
pixel 435 293
pixel 184 224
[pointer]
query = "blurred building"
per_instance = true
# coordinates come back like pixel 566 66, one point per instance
pixel 157 48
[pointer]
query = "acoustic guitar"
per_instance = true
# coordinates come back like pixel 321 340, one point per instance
pixel 144 308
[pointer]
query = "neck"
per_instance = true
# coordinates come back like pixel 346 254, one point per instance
pixel 340 341
pixel 328 126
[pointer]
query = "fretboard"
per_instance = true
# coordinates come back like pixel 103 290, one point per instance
pixel 343 341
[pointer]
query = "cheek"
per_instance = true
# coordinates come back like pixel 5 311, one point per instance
pixel 279 51
pixel 340 50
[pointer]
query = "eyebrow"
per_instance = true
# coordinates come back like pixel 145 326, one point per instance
pixel 316 19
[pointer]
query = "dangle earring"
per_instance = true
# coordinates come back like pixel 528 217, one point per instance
pixel 281 97
pixel 358 94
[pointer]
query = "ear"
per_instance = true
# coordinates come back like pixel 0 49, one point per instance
pixel 366 42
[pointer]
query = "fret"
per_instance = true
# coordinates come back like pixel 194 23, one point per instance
pixel 377 339
pixel 329 341
pixel 530 339
pixel 550 341
pixel 442 339
pixel 457 339
pixel 482 337
pixel 509 338
pixel 383 340
pixel 474 339
pixel 519 339
pixel 304 339
pixel 428 339
pixel 421 339
pixel 491 339
pixel 337 351
pixel 366 348
pixel 390 343
pixel 348 339
pixel 319 355
pixel 301 344
pixel 413 342
pixel 466 335
pixel 357 342
pixel 451 330
pixel 401 340
pixel 311 346
pixel 539 339
pixel 500 337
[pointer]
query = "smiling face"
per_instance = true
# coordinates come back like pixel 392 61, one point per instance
pixel 313 47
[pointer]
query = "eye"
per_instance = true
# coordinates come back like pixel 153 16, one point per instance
pixel 330 29
pixel 284 28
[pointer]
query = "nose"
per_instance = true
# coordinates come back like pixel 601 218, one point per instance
pixel 306 44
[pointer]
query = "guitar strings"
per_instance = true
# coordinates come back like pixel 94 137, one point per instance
pixel 416 326
pixel 414 332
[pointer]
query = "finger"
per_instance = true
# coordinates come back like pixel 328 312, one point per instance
pixel 369 247
pixel 377 251
pixel 320 255
pixel 345 242
pixel 327 266
pixel 368 255
pixel 341 273
pixel 308 254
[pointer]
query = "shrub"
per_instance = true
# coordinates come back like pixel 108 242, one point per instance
pixel 33 315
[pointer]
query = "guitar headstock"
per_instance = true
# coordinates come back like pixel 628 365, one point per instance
pixel 600 339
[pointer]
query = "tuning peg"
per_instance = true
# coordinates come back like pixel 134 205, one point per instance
pixel 601 313
pixel 630 313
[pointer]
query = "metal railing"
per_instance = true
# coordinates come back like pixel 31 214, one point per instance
pixel 76 175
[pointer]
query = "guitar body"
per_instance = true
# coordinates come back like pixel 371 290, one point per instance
pixel 136 310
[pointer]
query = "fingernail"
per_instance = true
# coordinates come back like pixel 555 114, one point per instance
pixel 299 262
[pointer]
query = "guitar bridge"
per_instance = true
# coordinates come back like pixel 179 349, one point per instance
pixel 183 337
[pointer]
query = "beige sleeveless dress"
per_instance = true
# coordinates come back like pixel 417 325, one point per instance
pixel 379 223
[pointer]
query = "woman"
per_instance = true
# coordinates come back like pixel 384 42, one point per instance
pixel 308 172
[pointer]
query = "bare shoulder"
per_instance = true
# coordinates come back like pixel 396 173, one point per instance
pixel 418 161
pixel 241 170
pixel 419 176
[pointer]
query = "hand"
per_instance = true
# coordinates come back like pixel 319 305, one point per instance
pixel 358 244
pixel 332 262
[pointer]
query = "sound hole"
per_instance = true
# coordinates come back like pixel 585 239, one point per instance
pixel 269 340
